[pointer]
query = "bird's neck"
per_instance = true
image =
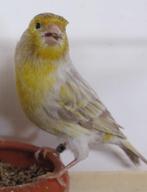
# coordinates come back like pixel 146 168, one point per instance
pixel 55 53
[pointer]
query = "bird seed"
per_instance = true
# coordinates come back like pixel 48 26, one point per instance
pixel 12 176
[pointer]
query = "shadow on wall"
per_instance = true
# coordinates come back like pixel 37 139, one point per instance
pixel 10 110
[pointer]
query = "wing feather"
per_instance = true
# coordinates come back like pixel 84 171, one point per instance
pixel 80 104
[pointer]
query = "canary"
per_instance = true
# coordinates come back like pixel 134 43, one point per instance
pixel 54 95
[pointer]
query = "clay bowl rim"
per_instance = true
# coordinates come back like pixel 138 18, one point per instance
pixel 53 156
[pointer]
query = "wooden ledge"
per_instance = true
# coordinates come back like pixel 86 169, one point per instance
pixel 113 181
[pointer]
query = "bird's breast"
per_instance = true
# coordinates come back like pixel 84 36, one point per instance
pixel 33 84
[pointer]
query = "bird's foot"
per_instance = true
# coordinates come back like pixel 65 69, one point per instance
pixel 58 177
pixel 43 153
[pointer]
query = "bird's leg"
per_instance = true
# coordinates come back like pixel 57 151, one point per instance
pixel 59 174
pixel 80 149
pixel 68 166
pixel 43 152
pixel 60 148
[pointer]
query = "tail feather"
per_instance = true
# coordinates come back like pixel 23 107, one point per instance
pixel 132 153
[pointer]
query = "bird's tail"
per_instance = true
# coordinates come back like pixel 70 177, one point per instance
pixel 132 153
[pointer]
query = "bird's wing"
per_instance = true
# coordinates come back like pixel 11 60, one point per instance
pixel 79 104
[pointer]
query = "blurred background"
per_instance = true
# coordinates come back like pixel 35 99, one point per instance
pixel 108 41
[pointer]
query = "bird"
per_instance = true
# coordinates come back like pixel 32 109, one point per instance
pixel 56 98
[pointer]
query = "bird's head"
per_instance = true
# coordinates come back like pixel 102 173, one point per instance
pixel 47 37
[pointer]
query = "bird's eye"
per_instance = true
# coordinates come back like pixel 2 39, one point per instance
pixel 38 25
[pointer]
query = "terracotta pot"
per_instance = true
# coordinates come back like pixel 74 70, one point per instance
pixel 22 155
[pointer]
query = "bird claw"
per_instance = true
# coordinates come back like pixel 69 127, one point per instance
pixel 61 181
pixel 43 153
pixel 58 177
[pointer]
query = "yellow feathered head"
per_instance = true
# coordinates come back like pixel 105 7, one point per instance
pixel 46 35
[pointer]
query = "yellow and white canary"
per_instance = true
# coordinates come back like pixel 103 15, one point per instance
pixel 56 98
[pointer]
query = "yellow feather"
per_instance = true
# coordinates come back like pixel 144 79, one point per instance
pixel 53 53
pixel 33 83
pixel 107 137
pixel 65 94
pixel 34 40
pixel 37 62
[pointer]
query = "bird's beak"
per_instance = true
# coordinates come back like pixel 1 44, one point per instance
pixel 52 35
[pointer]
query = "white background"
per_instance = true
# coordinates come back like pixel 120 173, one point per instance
pixel 109 47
